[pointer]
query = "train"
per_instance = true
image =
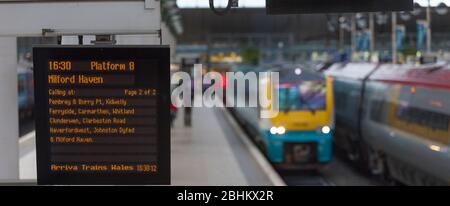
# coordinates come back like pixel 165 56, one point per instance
pixel 300 136
pixel 393 121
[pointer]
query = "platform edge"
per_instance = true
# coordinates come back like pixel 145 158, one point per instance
pixel 273 176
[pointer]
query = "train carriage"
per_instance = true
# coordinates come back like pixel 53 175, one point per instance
pixel 348 86
pixel 407 123
pixel 394 120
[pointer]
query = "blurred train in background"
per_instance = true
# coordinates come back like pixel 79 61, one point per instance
pixel 300 136
pixel 25 77
pixel 394 120
pixel 25 89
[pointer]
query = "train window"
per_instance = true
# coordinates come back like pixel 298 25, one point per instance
pixel 415 109
pixel 340 100
pixel 376 110
pixel 431 119
pixel 424 112
pixel 309 95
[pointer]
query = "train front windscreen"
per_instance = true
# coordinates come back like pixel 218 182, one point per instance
pixel 307 95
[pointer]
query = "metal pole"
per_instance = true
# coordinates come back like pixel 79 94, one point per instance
pixel 394 38
pixel 353 45
pixel 372 35
pixel 429 27
pixel 341 38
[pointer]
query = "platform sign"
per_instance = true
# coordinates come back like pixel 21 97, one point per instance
pixel 102 115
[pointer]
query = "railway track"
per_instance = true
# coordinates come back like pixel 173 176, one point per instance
pixel 336 173
pixel 304 178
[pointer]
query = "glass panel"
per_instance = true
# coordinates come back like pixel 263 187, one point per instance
pixel 308 95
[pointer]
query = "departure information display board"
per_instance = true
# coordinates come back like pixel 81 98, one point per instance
pixel 102 115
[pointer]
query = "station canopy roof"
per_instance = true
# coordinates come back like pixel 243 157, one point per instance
pixel 199 22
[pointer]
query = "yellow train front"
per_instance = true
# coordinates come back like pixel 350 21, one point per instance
pixel 300 136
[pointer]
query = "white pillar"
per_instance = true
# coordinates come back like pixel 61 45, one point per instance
pixel 341 38
pixel 9 112
pixel 353 36
pixel 372 35
pixel 429 28
pixel 394 38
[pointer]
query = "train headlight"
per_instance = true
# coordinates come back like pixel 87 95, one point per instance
pixel 273 130
pixel 277 130
pixel 326 130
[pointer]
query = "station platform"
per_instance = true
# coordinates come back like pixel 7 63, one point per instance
pixel 213 151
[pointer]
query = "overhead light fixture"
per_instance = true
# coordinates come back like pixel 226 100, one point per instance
pixel 361 21
pixel 381 18
pixel 417 9
pixel 405 16
pixel 442 9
